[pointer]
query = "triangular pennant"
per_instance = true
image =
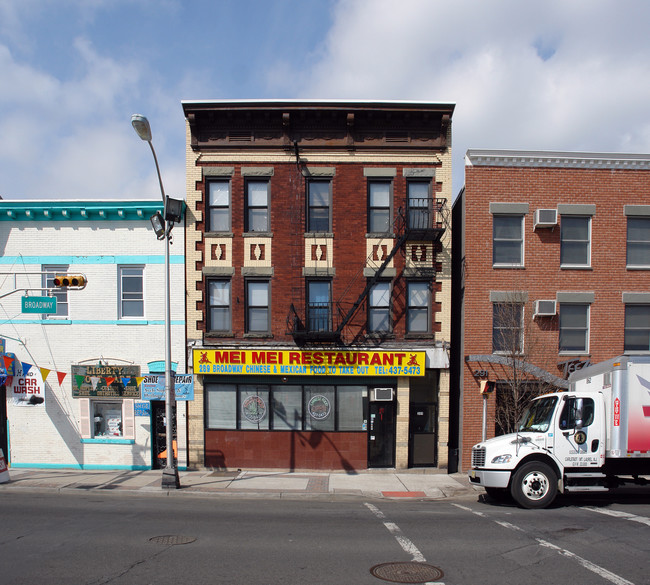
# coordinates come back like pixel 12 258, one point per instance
pixel 126 381
pixel 138 380
pixel 61 375
pixel 94 380
pixel 45 373
pixel 8 361
pixel 109 380
pixel 79 380
pixel 26 367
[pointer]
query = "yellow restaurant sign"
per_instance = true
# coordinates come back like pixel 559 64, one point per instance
pixel 317 362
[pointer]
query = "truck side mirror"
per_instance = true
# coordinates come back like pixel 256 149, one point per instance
pixel 578 413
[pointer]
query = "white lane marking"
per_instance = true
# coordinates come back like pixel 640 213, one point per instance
pixel 600 571
pixel 618 514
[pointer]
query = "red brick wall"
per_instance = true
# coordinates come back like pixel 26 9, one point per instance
pixel 286 450
pixel 608 278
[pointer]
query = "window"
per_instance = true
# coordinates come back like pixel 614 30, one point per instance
pixel 638 241
pixel 379 205
pixel 257 206
pixel 637 327
pixel 257 307
pixel 107 419
pixel 419 205
pixel 61 294
pixel 419 301
pixel 568 416
pixel 574 328
pixel 575 249
pixel 219 305
pixel 295 407
pixel 507 328
pixel 319 315
pixel 508 240
pixel 379 308
pixel 219 206
pixel 131 287
pixel 319 206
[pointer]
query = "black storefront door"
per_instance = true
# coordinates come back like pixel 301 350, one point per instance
pixel 381 435
pixel 159 441
pixel 422 435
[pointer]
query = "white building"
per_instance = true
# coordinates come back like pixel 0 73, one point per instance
pixel 87 360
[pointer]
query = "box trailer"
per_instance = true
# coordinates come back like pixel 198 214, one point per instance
pixel 593 437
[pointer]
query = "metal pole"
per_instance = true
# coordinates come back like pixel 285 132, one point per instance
pixel 485 399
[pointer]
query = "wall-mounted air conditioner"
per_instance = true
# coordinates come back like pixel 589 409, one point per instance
pixel 544 218
pixel 382 394
pixel 545 308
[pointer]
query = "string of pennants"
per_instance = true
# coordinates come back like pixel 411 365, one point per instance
pixel 8 362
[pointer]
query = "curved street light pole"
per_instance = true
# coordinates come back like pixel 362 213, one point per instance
pixel 170 477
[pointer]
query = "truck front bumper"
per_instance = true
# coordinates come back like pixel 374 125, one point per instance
pixel 489 478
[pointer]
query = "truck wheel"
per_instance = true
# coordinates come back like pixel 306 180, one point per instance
pixel 534 485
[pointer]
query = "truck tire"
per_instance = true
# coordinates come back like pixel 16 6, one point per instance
pixel 534 485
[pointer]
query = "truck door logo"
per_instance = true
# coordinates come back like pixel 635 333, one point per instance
pixel 646 384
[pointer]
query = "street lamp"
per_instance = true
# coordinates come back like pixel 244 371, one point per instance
pixel 141 125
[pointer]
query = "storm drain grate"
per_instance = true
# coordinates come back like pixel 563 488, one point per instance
pixel 406 572
pixel 171 539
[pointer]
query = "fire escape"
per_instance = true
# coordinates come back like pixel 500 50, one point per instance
pixel 318 321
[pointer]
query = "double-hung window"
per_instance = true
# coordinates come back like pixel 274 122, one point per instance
pixel 319 306
pixel 60 294
pixel 319 206
pixel 637 327
pixel 257 306
pixel 131 287
pixel 379 308
pixel 507 327
pixel 257 206
pixel 638 242
pixel 379 206
pixel 219 312
pixel 574 328
pixel 508 240
pixel 418 318
pixel 420 205
pixel 575 241
pixel 218 206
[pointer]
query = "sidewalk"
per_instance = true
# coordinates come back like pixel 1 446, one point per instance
pixel 411 484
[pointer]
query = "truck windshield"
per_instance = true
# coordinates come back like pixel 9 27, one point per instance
pixel 537 417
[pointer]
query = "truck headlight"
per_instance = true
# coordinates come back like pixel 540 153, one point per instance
pixel 502 459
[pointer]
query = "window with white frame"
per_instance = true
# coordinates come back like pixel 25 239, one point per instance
pixel 218 206
pixel 418 317
pixel 508 240
pixel 574 328
pixel 61 294
pixel 131 288
pixel 575 241
pixel 637 327
pixel 257 206
pixel 420 205
pixel 507 327
pixel 219 305
pixel 257 306
pixel 319 206
pixel 638 242
pixel 379 206
pixel 379 308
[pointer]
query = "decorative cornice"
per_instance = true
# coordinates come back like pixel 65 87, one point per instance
pixel 115 210
pixel 553 159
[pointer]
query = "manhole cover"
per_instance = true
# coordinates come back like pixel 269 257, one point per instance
pixel 172 539
pixel 407 572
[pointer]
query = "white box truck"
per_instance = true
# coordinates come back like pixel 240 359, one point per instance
pixel 594 437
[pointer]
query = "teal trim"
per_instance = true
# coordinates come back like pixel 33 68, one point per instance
pixel 110 441
pixel 81 466
pixel 90 322
pixel 91 210
pixel 107 259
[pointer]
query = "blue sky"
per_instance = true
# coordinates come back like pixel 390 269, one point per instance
pixel 554 75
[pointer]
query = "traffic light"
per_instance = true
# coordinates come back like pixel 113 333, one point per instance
pixel 70 280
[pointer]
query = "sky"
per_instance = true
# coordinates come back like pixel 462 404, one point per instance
pixel 569 75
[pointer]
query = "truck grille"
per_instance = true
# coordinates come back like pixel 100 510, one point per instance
pixel 478 457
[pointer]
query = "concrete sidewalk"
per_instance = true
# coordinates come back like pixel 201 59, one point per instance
pixel 411 484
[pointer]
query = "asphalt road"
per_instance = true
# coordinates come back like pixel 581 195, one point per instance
pixel 96 538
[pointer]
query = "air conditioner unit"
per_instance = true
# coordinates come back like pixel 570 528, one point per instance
pixel 382 394
pixel 545 308
pixel 544 218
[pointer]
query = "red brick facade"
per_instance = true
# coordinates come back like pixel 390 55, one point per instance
pixel 596 186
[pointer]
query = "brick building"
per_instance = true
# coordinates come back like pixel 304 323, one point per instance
pixel 73 358
pixel 318 283
pixel 551 272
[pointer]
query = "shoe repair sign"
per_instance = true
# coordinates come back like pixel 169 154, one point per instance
pixel 153 387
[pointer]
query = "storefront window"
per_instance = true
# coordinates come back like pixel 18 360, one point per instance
pixel 319 408
pixel 107 417
pixel 221 408
pixel 287 408
pixel 254 404
pixel 350 407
